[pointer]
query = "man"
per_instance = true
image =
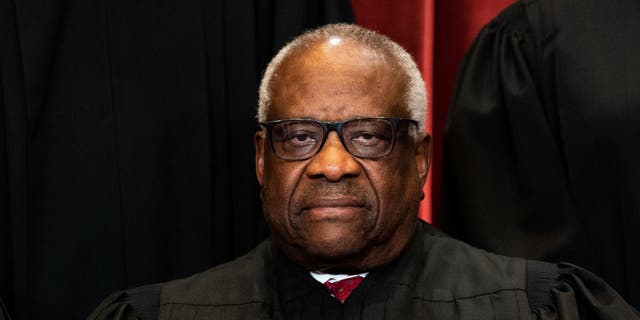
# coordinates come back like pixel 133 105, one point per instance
pixel 341 160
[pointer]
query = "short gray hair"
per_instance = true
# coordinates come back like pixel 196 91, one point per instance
pixel 415 95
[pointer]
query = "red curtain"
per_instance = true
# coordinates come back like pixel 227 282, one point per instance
pixel 437 34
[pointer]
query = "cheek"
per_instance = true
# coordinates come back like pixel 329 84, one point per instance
pixel 397 186
pixel 279 182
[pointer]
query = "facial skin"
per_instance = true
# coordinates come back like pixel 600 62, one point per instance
pixel 335 212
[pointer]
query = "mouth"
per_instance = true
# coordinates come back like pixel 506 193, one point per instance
pixel 334 208
pixel 333 202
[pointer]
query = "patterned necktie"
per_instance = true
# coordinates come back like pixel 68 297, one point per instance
pixel 343 288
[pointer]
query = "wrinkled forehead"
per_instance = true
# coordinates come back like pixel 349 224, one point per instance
pixel 340 76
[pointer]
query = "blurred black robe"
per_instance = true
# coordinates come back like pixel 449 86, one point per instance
pixel 542 141
pixel 125 141
pixel 436 277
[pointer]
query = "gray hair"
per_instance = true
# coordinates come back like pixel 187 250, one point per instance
pixel 415 95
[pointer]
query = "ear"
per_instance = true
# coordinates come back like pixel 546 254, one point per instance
pixel 258 142
pixel 423 155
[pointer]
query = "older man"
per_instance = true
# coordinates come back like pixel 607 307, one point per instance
pixel 341 159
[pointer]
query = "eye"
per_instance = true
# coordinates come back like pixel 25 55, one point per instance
pixel 365 138
pixel 300 138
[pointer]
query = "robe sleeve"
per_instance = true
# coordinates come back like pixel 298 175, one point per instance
pixel 541 141
pixel 568 292
pixel 138 303
pixel 503 170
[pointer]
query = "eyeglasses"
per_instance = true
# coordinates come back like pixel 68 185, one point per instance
pixel 300 139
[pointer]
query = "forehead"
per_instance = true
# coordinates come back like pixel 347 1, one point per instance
pixel 336 80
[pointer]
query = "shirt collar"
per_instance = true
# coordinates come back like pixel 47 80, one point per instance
pixel 324 277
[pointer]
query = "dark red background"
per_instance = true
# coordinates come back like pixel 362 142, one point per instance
pixel 437 34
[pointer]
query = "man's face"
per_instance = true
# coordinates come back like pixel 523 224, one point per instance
pixel 335 211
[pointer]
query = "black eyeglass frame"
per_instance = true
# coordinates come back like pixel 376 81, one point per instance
pixel 337 127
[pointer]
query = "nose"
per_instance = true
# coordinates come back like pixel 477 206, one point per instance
pixel 333 162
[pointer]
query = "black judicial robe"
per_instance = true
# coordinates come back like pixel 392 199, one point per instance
pixel 436 277
pixel 542 141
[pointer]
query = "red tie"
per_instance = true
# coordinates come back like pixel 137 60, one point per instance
pixel 343 288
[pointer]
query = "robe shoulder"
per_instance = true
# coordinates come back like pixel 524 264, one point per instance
pixel 242 281
pixel 136 303
pixel 232 283
pixel 454 271
pixel 448 270
pixel 566 291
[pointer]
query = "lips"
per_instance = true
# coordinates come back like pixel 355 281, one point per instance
pixel 333 209
pixel 333 202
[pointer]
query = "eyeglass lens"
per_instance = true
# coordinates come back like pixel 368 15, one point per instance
pixel 300 139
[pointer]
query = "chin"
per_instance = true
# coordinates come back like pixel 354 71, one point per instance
pixel 335 249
